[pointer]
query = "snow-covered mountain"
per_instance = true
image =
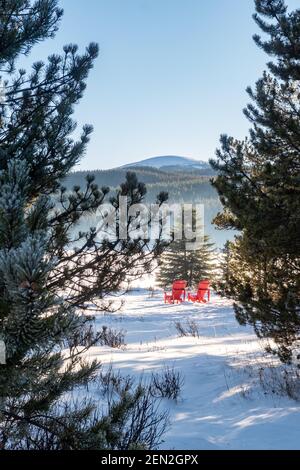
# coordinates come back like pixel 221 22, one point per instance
pixel 171 161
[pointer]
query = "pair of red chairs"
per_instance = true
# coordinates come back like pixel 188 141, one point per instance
pixel 178 294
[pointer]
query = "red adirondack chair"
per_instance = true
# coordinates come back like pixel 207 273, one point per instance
pixel 178 293
pixel 203 290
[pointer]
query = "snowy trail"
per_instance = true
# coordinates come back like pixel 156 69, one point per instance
pixel 222 406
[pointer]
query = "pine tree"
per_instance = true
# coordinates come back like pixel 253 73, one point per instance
pixel 258 184
pixel 178 263
pixel 49 277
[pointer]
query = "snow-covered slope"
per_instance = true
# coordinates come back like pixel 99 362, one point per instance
pixel 223 403
pixel 170 161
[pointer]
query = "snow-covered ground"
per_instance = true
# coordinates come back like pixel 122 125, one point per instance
pixel 222 405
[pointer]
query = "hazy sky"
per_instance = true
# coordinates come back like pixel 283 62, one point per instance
pixel 171 76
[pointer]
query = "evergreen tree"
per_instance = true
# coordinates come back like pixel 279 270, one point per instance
pixel 49 279
pixel 258 184
pixel 178 263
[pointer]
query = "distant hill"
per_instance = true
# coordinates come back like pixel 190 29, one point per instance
pixel 164 170
pixel 185 180
pixel 173 163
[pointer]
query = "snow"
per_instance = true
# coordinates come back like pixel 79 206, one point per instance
pixel 170 160
pixel 223 404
